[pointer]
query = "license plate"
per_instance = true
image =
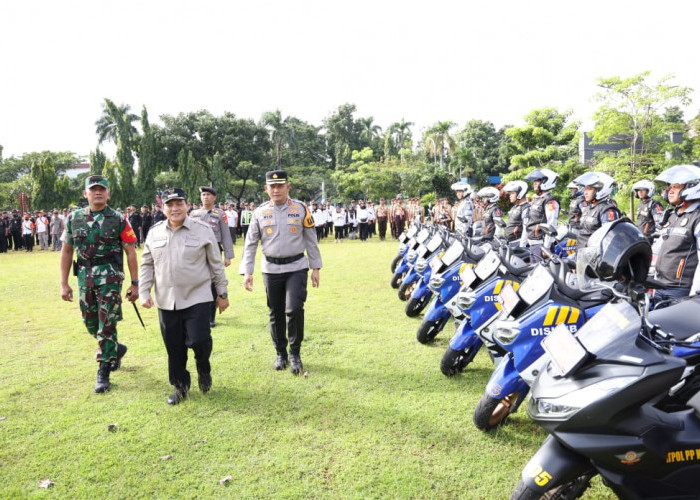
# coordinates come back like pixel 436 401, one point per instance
pixel 565 351
pixel 508 298
pixel 467 276
pixel 435 264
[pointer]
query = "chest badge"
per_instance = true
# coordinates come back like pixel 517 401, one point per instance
pixel 294 229
pixel 268 230
pixel 684 222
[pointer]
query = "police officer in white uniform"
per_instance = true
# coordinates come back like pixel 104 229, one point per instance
pixel 286 229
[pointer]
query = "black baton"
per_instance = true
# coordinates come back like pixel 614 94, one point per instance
pixel 138 314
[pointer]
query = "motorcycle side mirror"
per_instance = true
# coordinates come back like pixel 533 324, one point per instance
pixel 548 229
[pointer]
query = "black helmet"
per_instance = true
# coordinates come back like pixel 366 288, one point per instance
pixel 616 251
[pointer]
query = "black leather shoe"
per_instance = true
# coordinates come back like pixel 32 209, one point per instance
pixel 177 396
pixel 204 382
pixel 280 362
pixel 102 381
pixel 117 363
pixel 297 366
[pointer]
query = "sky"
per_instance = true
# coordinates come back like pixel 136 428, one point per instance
pixel 420 61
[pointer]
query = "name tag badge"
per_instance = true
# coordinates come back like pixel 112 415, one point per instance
pixel 684 221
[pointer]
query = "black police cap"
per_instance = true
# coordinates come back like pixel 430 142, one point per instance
pixel 173 194
pixel 207 189
pixel 276 177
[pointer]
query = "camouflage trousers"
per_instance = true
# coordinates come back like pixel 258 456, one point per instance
pixel 101 308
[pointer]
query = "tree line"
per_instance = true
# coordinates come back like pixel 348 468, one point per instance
pixel 352 157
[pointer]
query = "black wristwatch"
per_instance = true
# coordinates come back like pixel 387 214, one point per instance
pixel 224 295
pixel 135 282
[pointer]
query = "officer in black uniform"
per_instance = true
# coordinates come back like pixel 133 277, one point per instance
pixel 16 230
pixel 678 255
pixel 519 214
pixel 4 231
pixel 544 209
pixel 599 208
pixel 576 203
pixel 650 213
pixel 492 212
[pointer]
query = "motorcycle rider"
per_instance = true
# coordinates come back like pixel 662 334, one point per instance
pixel 650 213
pixel 575 205
pixel 599 208
pixel 544 209
pixel 464 212
pixel 679 253
pixel 492 212
pixel 518 214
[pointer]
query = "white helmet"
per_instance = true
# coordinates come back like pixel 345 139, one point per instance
pixel 490 193
pixel 547 177
pixel 644 184
pixel 517 187
pixel 602 183
pixel 572 185
pixel 462 186
pixel 683 174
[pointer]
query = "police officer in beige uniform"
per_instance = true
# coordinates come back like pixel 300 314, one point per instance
pixel 286 229
pixel 180 259
pixel 217 220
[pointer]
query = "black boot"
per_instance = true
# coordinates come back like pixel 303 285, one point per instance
pixel 102 381
pixel 281 362
pixel 204 380
pixel 121 351
pixel 297 366
pixel 178 395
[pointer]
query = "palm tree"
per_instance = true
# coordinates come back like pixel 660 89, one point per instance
pixel 439 138
pixel 400 132
pixel 107 126
pixel 280 131
pixel 368 131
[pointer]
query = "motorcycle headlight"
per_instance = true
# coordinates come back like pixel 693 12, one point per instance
pixel 436 282
pixel 506 331
pixel 421 264
pixel 466 299
pixel 568 404
pixel 411 256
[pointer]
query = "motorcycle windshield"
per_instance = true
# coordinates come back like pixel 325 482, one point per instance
pixel 453 253
pixel 611 332
pixel 487 265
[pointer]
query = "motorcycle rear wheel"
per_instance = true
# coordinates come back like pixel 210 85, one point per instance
pixel 428 330
pixel 415 306
pixel 492 412
pixel 567 491
pixel 395 262
pixel 454 361
pixel 406 289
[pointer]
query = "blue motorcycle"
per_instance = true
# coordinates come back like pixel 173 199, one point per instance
pixel 409 258
pixel 479 299
pixel 445 282
pixel 543 301
pixel 417 272
pixel 403 245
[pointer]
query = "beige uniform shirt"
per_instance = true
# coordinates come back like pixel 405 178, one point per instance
pixel 216 219
pixel 181 264
pixel 284 230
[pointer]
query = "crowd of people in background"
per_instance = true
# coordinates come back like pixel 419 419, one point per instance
pixel 357 219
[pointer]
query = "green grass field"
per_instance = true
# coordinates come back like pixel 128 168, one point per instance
pixel 375 418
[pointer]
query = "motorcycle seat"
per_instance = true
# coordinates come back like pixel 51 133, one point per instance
pixel 680 319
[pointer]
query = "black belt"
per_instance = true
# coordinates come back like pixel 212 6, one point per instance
pixel 284 260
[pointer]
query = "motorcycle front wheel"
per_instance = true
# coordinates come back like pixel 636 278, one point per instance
pixel 396 280
pixel 492 412
pixel 567 491
pixel 395 262
pixel 428 330
pixel 454 362
pixel 415 306
pixel 406 289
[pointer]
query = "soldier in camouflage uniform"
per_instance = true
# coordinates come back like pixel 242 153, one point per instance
pixel 98 235
pixel 216 219
pixel 286 229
